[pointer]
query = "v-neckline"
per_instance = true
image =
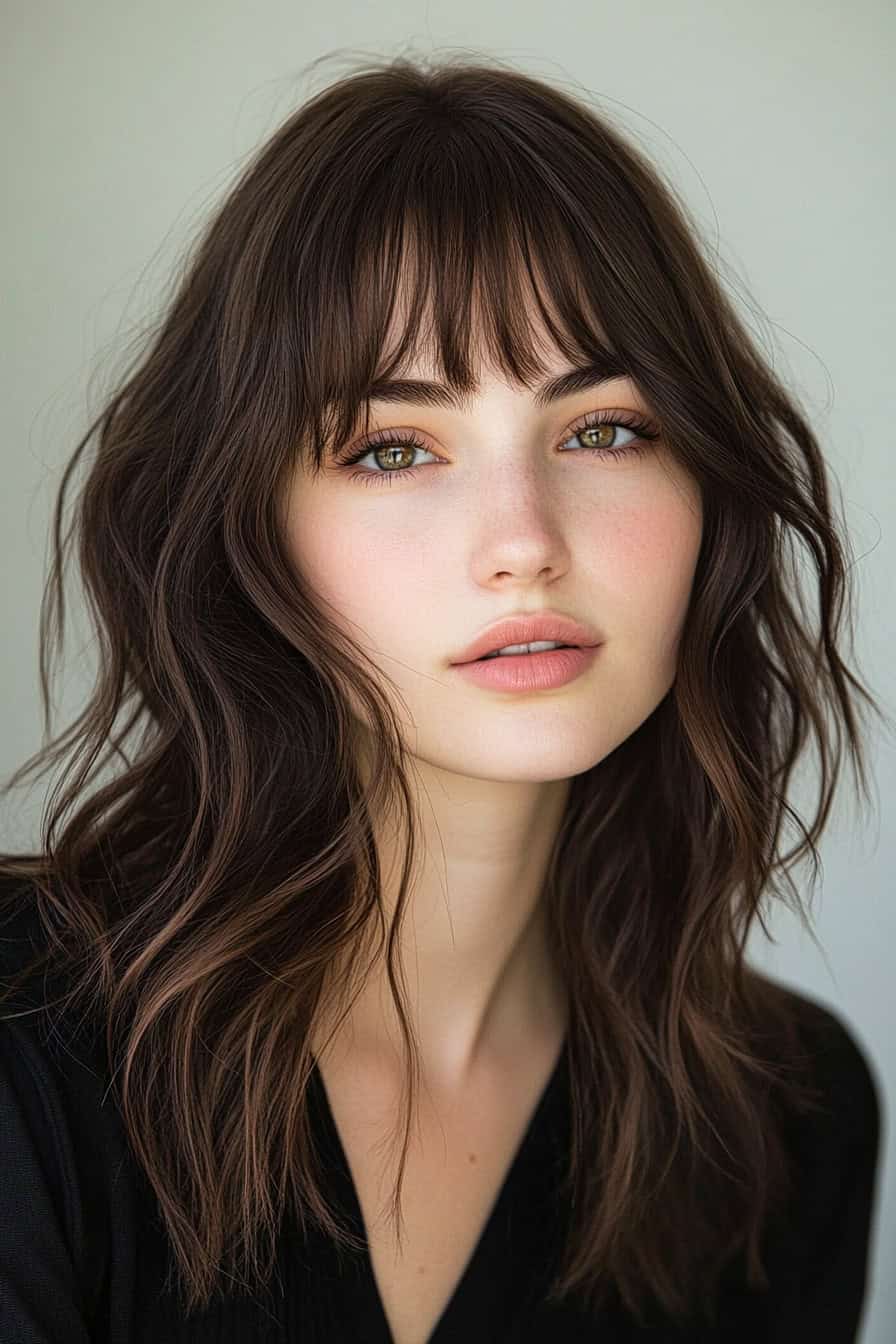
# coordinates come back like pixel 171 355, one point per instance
pixel 370 1305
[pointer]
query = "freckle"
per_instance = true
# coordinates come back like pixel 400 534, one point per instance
pixel 421 1269
pixel 472 1158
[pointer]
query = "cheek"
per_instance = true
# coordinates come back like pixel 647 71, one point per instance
pixel 645 568
pixel 373 588
pixel 365 575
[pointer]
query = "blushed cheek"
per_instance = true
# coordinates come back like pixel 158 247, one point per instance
pixel 373 590
pixel 644 567
pixel 326 555
pixel 369 580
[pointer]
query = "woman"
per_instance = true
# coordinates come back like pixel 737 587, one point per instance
pixel 389 990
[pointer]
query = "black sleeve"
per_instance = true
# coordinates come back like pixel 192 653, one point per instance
pixel 40 1296
pixel 824 1296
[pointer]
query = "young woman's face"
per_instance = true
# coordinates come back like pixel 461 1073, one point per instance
pixel 507 512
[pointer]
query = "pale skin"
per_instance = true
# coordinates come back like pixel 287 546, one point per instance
pixel 506 512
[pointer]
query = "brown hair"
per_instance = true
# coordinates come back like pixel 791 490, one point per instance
pixel 210 883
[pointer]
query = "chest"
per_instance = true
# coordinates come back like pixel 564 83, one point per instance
pixel 461 1154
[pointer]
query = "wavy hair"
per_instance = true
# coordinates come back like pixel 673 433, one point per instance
pixel 202 894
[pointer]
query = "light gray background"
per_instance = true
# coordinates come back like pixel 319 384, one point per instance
pixel 122 124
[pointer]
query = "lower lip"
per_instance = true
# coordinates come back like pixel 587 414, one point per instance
pixel 529 671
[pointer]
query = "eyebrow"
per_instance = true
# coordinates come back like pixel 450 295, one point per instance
pixel 424 393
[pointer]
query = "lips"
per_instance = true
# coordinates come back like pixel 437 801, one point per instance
pixel 529 628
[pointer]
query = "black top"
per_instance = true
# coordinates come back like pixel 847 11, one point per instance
pixel 83 1255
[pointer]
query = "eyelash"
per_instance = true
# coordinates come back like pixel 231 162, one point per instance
pixel 391 439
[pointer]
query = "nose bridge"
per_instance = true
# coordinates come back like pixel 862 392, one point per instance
pixel 515 498
pixel 504 418
pixel 509 446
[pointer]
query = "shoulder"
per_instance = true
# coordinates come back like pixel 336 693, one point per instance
pixel 32 983
pixel 838 1135
pixel 49 1063
pixel 62 1042
pixel 23 935
pixel 841 1065
pixel 60 1138
pixel 53 1070
pixel 820 1244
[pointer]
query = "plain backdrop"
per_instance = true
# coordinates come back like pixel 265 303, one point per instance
pixel 122 124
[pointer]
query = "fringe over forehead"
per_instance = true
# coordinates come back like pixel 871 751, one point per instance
pixel 455 226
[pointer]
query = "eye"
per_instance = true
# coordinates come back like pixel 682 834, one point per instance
pixel 601 426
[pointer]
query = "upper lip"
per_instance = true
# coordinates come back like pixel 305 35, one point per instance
pixel 527 629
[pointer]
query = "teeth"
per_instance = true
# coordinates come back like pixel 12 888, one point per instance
pixel 538 647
